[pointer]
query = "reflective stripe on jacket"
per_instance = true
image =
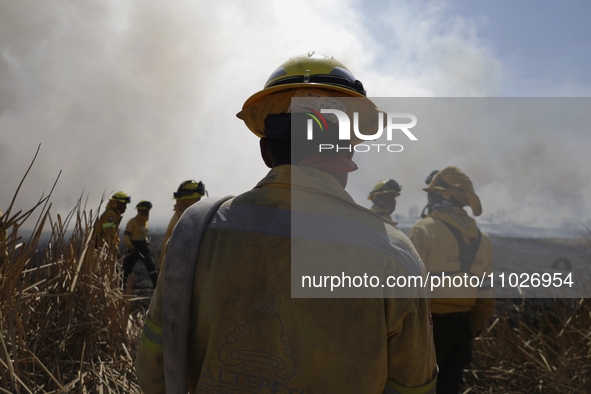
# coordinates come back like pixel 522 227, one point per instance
pixel 246 333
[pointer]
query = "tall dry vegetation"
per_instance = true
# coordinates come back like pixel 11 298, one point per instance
pixel 535 346
pixel 64 322
pixel 66 326
pixel 539 346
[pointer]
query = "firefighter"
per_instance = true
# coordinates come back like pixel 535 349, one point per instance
pixel 450 243
pixel 238 328
pixel 108 225
pixel 383 196
pixel 188 193
pixel 136 241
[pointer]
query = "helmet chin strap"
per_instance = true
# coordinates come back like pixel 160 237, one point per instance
pixel 432 198
pixel 428 208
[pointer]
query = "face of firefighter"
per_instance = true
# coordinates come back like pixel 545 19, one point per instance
pixel 386 201
pixel 431 197
pixel 122 207
pixel 143 212
pixel 187 202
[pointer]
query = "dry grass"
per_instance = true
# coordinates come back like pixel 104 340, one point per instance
pixel 536 346
pixel 65 325
pixel 542 346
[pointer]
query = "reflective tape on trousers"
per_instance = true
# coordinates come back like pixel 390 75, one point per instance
pixel 152 335
pixel 315 227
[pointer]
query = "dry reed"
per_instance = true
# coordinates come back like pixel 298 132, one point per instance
pixel 549 353
pixel 65 325
pixel 535 346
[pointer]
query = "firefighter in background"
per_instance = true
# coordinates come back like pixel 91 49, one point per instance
pixel 108 225
pixel 188 193
pixel 244 331
pixel 383 196
pixel 449 242
pixel 136 241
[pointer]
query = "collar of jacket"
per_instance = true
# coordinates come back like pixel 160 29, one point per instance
pixel 305 178
pixel 458 218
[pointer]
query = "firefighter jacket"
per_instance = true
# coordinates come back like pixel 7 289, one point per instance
pixel 3 249
pixel 173 221
pixel 179 208
pixel 247 334
pixel 136 230
pixel 108 224
pixel 439 250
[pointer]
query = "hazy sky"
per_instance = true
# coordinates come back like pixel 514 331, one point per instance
pixel 141 95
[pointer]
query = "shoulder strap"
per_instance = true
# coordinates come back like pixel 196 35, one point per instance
pixel 181 260
pixel 467 254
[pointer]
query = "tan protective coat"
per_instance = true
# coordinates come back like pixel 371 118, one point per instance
pixel 108 224
pixel 179 208
pixel 136 230
pixel 439 250
pixel 242 300
pixel 173 221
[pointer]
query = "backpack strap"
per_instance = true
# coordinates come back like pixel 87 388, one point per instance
pixel 467 254
pixel 181 261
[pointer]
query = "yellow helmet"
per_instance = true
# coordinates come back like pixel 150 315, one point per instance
pixel 189 189
pixel 311 70
pixel 451 181
pixel 385 186
pixel 121 197
pixel 144 205
pixel 308 71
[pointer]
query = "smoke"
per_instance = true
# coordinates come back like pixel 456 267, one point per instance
pixel 141 95
pixel 527 157
pixel 104 90
pixel 119 96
